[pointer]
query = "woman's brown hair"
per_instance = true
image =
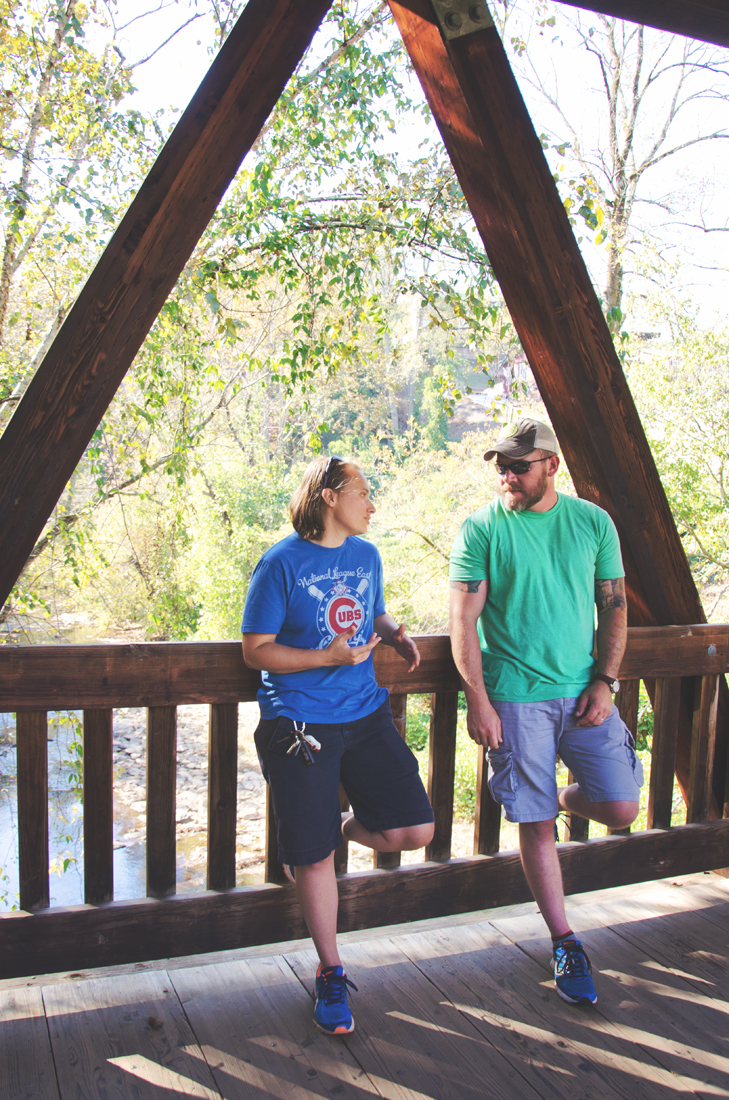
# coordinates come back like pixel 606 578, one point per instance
pixel 307 505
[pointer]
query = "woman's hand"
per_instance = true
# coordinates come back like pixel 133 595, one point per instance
pixel 340 652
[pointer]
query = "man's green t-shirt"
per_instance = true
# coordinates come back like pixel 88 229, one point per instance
pixel 537 626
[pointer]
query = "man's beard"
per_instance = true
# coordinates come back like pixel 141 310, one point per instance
pixel 525 501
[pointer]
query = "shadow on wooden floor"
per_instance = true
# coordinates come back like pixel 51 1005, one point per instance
pixel 460 1009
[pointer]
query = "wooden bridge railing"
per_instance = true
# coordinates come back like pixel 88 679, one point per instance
pixel 681 666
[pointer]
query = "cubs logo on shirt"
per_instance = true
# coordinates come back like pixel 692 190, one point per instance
pixel 339 609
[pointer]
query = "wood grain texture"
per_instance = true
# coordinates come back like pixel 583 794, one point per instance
pixel 252 1021
pixel 387 861
pixel 442 770
pixel 703 738
pixel 125 1037
pixel 627 701
pixel 273 868
pixel 500 164
pixel 666 712
pixel 707 20
pixel 32 763
pixel 222 795
pixel 578 828
pixel 123 932
pixel 98 806
pixel 26 1062
pixel 411 1043
pixel 487 823
pixel 161 801
pixel 176 673
pixel 89 357
pixel 478 966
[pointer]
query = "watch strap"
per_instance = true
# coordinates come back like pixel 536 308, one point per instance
pixel 612 682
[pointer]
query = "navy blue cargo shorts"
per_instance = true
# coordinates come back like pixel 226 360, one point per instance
pixel 378 771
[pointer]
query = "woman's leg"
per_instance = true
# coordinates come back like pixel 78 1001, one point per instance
pixel 388 840
pixel 316 890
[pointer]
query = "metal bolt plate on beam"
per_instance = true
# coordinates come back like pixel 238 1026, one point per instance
pixel 459 17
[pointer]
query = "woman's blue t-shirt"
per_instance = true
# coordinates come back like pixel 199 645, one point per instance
pixel 306 594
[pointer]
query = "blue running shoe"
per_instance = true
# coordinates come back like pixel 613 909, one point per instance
pixel 331 1011
pixel 572 972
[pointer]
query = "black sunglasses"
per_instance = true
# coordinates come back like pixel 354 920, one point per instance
pixel 328 470
pixel 518 467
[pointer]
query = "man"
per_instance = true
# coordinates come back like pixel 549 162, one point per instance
pixel 526 573
pixel 315 610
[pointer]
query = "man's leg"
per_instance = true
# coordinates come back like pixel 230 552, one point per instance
pixel 541 867
pixel 616 815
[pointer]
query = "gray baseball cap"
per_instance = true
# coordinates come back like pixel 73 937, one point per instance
pixel 523 437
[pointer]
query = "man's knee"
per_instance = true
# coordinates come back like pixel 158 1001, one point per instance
pixel 410 837
pixel 619 815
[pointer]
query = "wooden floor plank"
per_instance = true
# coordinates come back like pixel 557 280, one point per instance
pixel 26 1061
pixel 253 1022
pixel 125 1038
pixel 411 1043
pixel 682 941
pixel 563 1050
pixel 654 1009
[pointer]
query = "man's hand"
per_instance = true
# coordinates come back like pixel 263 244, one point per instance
pixel 595 704
pixel 484 724
pixel 406 647
pixel 341 653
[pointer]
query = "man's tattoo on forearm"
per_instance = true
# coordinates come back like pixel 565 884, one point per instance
pixel 467 586
pixel 610 594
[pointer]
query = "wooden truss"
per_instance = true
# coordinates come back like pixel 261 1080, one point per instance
pixel 486 128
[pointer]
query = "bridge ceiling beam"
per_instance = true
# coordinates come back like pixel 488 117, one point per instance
pixel 82 370
pixel 707 20
pixel 506 180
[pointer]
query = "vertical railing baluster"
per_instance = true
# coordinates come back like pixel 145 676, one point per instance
pixel 666 717
pixel 222 794
pixel 388 861
pixel 627 701
pixel 578 828
pixel 703 737
pixel 487 825
pixel 98 806
pixel 32 764
pixel 273 871
pixel 442 770
pixel 161 801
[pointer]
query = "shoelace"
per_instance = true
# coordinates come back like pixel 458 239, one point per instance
pixel 574 962
pixel 335 988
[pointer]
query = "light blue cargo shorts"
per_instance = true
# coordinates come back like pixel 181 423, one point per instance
pixel 522 770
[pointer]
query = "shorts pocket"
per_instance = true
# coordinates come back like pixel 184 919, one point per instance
pixel 502 777
pixel 633 758
pixel 273 737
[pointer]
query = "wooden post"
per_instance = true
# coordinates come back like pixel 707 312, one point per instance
pixel 273 871
pixel 487 824
pixel 627 701
pixel 703 734
pixel 98 806
pixel 442 770
pixel 161 801
pixel 72 388
pixel 707 20
pixel 509 188
pixel 32 762
pixel 663 755
pixel 222 795
pixel 388 861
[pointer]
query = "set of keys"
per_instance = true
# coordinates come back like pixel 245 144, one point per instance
pixel 303 743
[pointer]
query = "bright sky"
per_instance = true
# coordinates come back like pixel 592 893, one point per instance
pixel 694 181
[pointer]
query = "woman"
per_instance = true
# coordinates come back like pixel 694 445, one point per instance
pixel 314 612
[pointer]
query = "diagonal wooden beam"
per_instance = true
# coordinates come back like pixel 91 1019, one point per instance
pixel 73 386
pixel 707 20
pixel 509 188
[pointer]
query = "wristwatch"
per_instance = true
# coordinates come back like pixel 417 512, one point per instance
pixel 614 685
